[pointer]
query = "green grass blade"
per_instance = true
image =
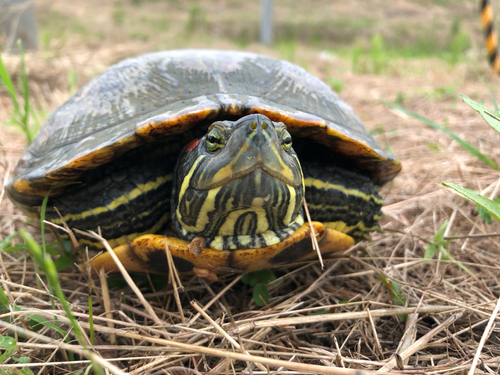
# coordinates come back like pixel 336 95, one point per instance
pixel 25 91
pixel 44 322
pixel 43 210
pixel 465 145
pixel 494 101
pixel 492 207
pixel 8 84
pixel 49 267
pixel 91 320
pixel 490 116
pixel 4 300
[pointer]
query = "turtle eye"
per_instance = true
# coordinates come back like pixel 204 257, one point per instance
pixel 215 140
pixel 286 140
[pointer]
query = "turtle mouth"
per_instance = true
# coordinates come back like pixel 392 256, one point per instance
pixel 245 172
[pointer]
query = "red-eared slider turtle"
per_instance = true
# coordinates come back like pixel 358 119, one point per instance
pixel 177 146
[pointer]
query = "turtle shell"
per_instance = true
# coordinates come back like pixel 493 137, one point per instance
pixel 143 99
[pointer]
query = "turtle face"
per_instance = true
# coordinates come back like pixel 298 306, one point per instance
pixel 240 186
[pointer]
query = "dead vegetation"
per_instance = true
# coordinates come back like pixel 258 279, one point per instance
pixel 378 307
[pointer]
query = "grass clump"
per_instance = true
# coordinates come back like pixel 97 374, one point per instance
pixel 196 19
pixel 463 143
pixel 406 43
pixel 258 280
pixel 22 114
pixel 491 206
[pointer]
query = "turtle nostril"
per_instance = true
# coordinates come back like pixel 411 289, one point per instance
pixel 253 125
pixel 264 125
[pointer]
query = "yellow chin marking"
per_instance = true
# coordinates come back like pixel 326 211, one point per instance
pixel 269 237
pixel 227 228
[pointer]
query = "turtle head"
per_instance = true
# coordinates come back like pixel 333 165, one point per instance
pixel 240 186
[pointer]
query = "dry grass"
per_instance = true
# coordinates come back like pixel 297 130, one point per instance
pixel 317 321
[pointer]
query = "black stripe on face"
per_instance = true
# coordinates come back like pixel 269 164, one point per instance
pixel 246 224
pixel 191 205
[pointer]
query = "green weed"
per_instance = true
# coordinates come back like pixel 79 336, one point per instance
pixel 138 35
pixel 9 346
pixel 433 146
pixel 440 246
pixel 486 206
pixel 398 298
pixel 336 84
pixel 492 117
pixel 287 51
pixel 243 39
pixel 45 37
pixel 195 20
pixel 72 80
pixel 356 58
pixel 259 280
pixel 400 98
pixel 79 28
pixel 465 145
pixel 409 41
pixel 45 262
pixel 441 93
pixel 375 61
pixel 378 129
pixel 53 30
pixel 459 42
pixel 22 114
pixel 119 17
pixel 378 54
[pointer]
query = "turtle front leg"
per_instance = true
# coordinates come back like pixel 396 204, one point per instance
pixel 147 253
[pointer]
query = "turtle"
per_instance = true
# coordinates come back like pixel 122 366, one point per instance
pixel 209 155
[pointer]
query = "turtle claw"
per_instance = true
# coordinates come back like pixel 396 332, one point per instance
pixel 196 245
pixel 206 273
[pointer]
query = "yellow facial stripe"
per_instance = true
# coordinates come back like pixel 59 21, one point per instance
pixel 228 170
pixel 291 207
pixel 208 204
pixel 319 184
pixel 123 199
pixel 202 218
pixel 187 178
pixel 285 171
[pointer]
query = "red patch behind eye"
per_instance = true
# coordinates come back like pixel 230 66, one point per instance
pixel 191 145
